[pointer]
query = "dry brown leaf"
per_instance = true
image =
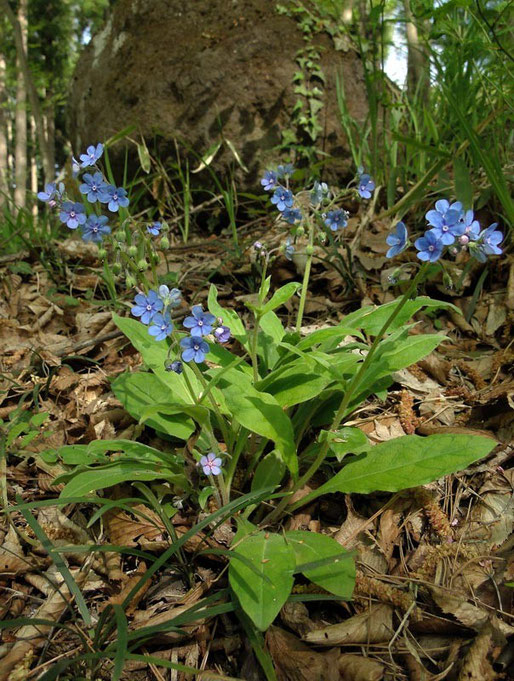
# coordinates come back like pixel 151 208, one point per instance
pixel 32 637
pixel 359 668
pixel 294 661
pixel 296 616
pixel 126 530
pixel 476 666
pixel 127 588
pixel 12 560
pixel 373 626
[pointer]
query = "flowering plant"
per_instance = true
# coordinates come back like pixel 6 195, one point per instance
pixel 259 409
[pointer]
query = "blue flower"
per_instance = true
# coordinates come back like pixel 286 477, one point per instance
pixel 397 241
pixel 93 186
pixel 170 298
pixel 430 246
pixel 445 219
pixel 289 249
pixel 469 228
pixel 366 186
pixel 282 198
pixel 488 243
pixel 200 324
pixel 92 156
pixel 291 215
pixel 336 218
pixel 147 307
pixel 95 228
pixel 161 326
pixel 72 214
pixel 222 334
pixel 114 197
pixel 319 192
pixel 269 181
pixel 195 348
pixel 49 193
pixel 211 464
pixel 175 366
pixel 154 228
pixel 286 169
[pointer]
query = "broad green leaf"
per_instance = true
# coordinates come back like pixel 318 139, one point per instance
pixel 337 576
pixel 261 599
pixel 406 462
pixel 372 319
pixel 155 355
pixel 230 317
pixel 269 472
pixel 270 334
pixel 101 477
pixel 296 383
pixel 261 414
pixel 321 335
pixel 141 390
pixel 409 351
pixel 281 296
pixel 346 440
pixel 196 412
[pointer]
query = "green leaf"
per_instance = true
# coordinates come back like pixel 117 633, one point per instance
pixel 346 440
pixel 463 186
pixel 371 319
pixel 270 334
pixel 141 390
pixel 261 599
pixel 101 477
pixel 336 576
pixel 406 462
pixel 261 414
pixel 269 472
pixel 296 383
pixel 281 296
pixel 230 317
pixel 144 157
pixel 155 355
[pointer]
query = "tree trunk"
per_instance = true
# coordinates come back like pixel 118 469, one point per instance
pixel 418 64
pixel 21 52
pixel 4 170
pixel 20 151
pixel 33 166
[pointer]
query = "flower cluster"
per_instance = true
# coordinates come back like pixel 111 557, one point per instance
pixel 154 310
pixel 95 189
pixel 449 226
pixel 295 211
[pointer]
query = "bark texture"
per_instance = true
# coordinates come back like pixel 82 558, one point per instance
pixel 196 70
pixel 20 151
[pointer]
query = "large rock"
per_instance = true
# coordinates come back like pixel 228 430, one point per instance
pixel 187 70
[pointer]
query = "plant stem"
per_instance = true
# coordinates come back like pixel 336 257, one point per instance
pixel 306 275
pixel 350 391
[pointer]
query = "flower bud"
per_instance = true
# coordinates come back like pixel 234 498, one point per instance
pixel 164 227
pixel 102 253
pixel 130 281
pixel 165 242
pixel 447 281
pixel 121 236
pixel 309 250
pixel 142 265
pixel 116 267
pixel 132 251
pixel 300 231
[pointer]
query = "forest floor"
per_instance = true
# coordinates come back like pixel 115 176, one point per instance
pixel 435 565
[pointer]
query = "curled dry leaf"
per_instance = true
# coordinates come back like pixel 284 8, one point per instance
pixel 296 616
pixel 294 661
pixel 127 588
pixel 373 626
pixel 476 666
pixel 359 668
pixel 32 637
pixel 12 560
